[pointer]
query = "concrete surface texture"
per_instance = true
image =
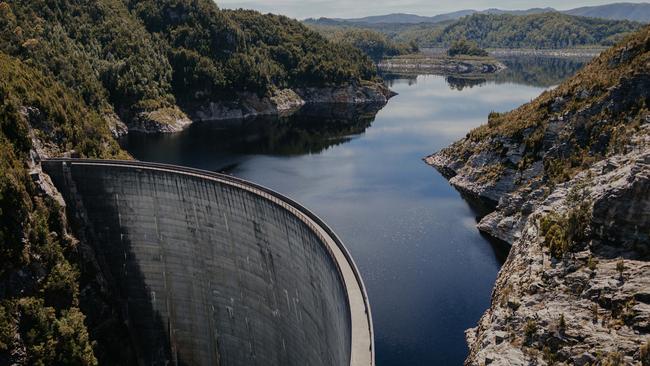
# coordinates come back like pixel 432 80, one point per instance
pixel 213 270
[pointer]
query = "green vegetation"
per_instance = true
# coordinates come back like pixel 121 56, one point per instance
pixel 133 56
pixel 562 232
pixel 579 104
pixel 69 68
pixel 644 354
pixel 464 47
pixel 373 44
pixel 490 173
pixel 539 30
pixel 530 329
pixel 40 312
pixel 398 32
pixel 592 263
pixel 545 30
pixel 620 267
pixel 611 359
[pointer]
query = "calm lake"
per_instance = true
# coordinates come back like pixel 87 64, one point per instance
pixel 428 271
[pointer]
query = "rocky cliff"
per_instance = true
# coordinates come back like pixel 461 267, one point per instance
pixel 285 101
pixel 568 179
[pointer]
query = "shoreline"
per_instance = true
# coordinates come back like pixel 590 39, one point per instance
pixel 283 102
pixel 552 53
pixel 582 52
pixel 423 63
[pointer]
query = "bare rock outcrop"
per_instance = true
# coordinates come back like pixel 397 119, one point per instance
pixel 287 101
pixel 567 177
pixel 592 306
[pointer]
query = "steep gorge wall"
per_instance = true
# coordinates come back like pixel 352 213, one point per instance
pixel 568 175
pixel 211 270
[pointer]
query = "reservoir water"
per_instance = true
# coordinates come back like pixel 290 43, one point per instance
pixel 428 271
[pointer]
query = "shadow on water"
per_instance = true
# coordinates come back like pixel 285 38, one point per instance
pixel 482 207
pixel 311 130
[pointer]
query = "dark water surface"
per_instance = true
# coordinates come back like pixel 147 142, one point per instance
pixel 428 271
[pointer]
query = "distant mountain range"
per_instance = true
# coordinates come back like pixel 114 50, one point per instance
pixel 639 12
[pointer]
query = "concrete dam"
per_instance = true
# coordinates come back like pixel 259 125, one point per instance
pixel 214 270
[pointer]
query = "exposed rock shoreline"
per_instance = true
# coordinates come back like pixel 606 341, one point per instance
pixel 555 53
pixel 568 176
pixel 439 64
pixel 246 105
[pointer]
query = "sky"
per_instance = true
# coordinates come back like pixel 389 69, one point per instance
pixel 301 9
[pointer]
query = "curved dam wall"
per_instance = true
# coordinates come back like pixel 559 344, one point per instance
pixel 213 270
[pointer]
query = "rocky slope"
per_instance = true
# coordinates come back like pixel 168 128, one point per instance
pixel 286 101
pixel 568 179
pixel 144 64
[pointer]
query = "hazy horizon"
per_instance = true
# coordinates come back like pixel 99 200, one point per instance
pixel 302 9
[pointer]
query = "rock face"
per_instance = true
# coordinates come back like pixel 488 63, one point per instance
pixel 355 93
pixel 245 105
pixel 282 102
pixel 568 176
pixel 248 105
pixel 164 120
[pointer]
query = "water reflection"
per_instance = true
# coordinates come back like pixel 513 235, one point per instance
pixel 225 144
pixel 459 83
pixel 428 271
pixel 397 79
pixel 541 72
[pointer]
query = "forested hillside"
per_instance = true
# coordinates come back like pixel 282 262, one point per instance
pixel 129 58
pixel 41 286
pixel 374 44
pixel 492 28
pixel 546 30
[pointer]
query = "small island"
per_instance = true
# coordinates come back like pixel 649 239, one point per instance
pixel 463 57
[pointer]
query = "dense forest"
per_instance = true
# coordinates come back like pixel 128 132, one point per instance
pixel 130 56
pixel 546 30
pixel 374 44
pixel 404 33
pixel 537 30
pixel 41 321
pixel 463 47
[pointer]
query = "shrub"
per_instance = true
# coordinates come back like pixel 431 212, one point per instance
pixel 374 44
pixel 644 354
pixel 620 267
pixel 591 263
pixel 530 329
pixel 613 359
pixel 464 47
pixel 562 231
